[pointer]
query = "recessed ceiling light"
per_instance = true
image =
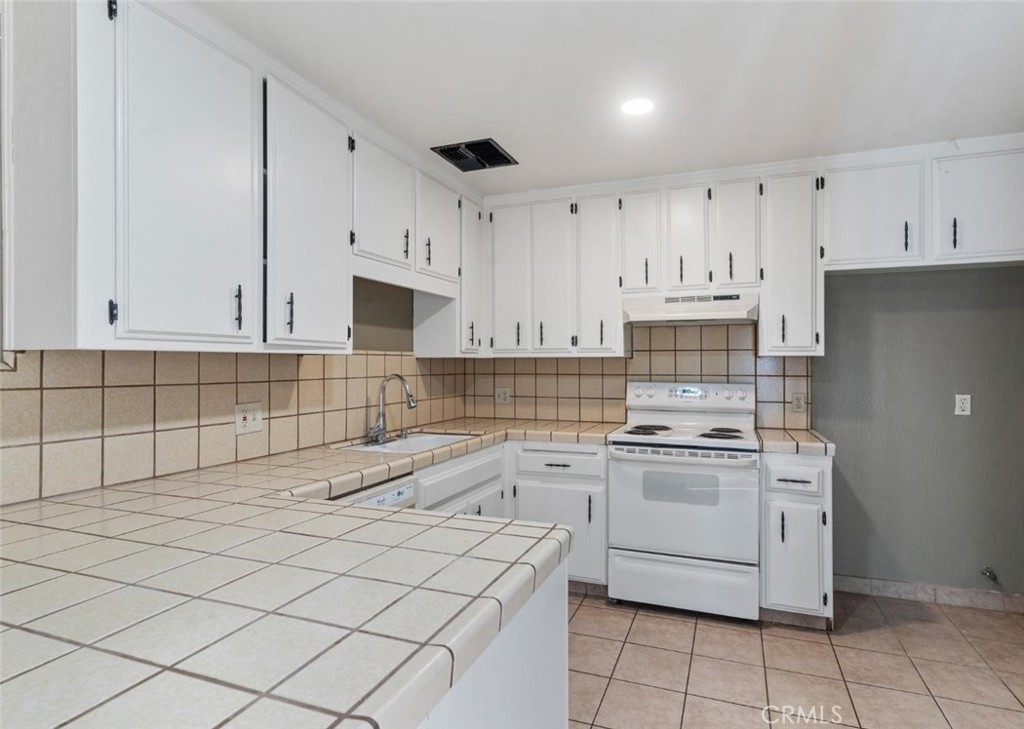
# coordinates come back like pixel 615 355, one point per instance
pixel 636 107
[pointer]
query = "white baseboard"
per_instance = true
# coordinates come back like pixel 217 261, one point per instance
pixel 960 596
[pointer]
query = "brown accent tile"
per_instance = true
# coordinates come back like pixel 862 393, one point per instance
pixel 72 368
pixel 628 706
pixel 881 708
pixel 177 368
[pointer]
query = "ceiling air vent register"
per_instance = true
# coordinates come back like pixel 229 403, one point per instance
pixel 481 154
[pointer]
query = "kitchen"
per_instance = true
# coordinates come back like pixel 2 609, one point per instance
pixel 638 414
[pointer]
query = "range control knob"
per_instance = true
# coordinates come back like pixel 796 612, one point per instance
pixel 650 392
pixel 638 391
pixel 728 394
pixel 741 394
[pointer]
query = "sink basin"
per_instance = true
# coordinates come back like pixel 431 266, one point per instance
pixel 413 443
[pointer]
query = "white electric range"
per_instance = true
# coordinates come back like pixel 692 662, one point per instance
pixel 683 494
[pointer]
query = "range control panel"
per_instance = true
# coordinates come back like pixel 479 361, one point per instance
pixel 734 397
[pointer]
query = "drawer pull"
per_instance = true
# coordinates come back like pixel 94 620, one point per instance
pixel 558 465
pixel 793 480
pixel 590 508
pixel 783 527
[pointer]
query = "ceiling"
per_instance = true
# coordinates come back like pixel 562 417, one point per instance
pixel 732 83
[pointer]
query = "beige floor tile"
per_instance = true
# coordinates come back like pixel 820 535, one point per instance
pixel 578 725
pixel 774 630
pixel 703 713
pixel 880 669
pixel 602 602
pixel 963 683
pixel 665 612
pixel 593 655
pixel 867 635
pixel 942 647
pixel 787 689
pixel 1015 682
pixel 585 694
pixel 716 621
pixel 730 645
pixel 629 706
pixel 676 635
pixel 601 623
pixel 801 656
pixel 738 683
pixel 653 667
pixel 880 708
pixel 1000 656
pixel 986 624
pixel 972 716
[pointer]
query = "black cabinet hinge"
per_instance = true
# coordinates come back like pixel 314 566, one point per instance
pixel 824 598
pixel 821 252
pixel 515 491
pixel 762 274
pixel 111 312
pixel 817 183
pixel 503 494
pixel 350 333
pixel 620 203
pixel 822 183
pixel 460 271
pixel 824 518
pixel 111 9
pixel 709 193
pixel 620 282
pixel 490 217
pixel 817 337
pixel 351 237
pixel 479 216
pixel 492 342
pixel 460 203
pixel 760 188
pixel 351 144
pixel 711 276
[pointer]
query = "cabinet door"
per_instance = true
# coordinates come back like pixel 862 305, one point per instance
pixel 474 279
pixel 511 257
pixel 385 204
pixel 599 313
pixel 789 295
pixel 978 211
pixel 687 266
pixel 188 239
pixel 437 230
pixel 554 280
pixel 581 506
pixel 873 216
pixel 792 556
pixel 735 242
pixel 641 222
pixel 309 214
pixel 489 500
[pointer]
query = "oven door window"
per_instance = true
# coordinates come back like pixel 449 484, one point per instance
pixel 677 488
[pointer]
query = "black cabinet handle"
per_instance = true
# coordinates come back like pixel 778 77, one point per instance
pixel 646 273
pixel 238 307
pixel 517 334
pixel 783 328
pixel 730 266
pixel 471 336
pixel 680 269
pixel 542 334
pixel 428 251
pixel 954 233
pixel 558 465
pixel 479 510
pixel 906 236
pixel 291 312
pixel 783 527
pixel 792 480
pixel 602 331
pixel 590 508
pixel 406 242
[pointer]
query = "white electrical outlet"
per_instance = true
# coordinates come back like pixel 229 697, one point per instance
pixel 501 395
pixel 248 417
pixel 799 402
pixel 962 405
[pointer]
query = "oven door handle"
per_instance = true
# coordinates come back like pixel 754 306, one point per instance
pixel 747 459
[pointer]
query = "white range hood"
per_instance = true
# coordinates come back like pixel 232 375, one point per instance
pixel 704 308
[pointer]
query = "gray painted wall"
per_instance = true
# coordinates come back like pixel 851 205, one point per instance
pixel 922 495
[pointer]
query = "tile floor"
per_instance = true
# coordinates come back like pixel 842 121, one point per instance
pixel 888 664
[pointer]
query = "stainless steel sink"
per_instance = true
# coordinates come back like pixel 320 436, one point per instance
pixel 412 444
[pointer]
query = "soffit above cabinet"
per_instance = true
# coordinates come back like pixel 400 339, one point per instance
pixel 732 84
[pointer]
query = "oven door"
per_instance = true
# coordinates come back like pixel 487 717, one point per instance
pixel 681 508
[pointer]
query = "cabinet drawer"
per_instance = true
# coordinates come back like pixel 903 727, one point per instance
pixel 561 462
pixel 795 479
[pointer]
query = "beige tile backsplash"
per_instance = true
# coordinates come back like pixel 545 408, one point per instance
pixel 72 420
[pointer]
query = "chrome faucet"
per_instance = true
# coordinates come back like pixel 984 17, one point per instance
pixel 379 432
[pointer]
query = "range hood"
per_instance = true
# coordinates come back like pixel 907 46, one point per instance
pixel 704 308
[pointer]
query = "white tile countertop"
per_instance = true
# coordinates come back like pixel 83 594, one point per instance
pixel 804 442
pixel 211 599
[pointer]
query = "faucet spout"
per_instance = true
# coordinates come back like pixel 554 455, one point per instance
pixel 379 432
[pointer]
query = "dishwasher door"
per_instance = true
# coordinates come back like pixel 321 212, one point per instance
pixel 399 493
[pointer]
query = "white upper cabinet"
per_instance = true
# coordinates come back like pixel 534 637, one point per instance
pixel 599 317
pixel 873 215
pixel 385 205
pixel 553 276
pixel 187 237
pixel 475 284
pixel 437 229
pixel 641 226
pixel 687 265
pixel 791 294
pixel 977 210
pixel 735 205
pixel 309 214
pixel 512 278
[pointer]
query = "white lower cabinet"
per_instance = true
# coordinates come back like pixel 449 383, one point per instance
pixel 796 534
pixel 567 484
pixel 471 484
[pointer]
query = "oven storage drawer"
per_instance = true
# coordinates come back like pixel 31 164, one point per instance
pixel 688 584
pixel 805 476
pixel 552 459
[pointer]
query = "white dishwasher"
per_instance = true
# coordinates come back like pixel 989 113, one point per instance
pixel 397 494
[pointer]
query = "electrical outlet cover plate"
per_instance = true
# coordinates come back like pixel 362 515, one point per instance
pixel 799 402
pixel 962 405
pixel 248 417
pixel 501 395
